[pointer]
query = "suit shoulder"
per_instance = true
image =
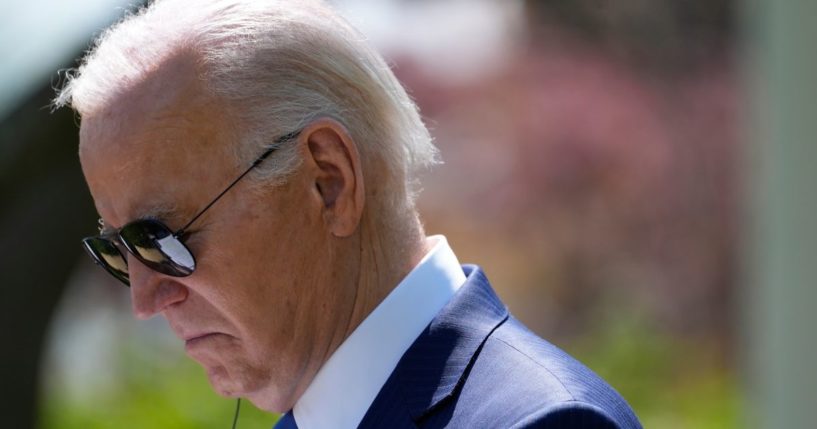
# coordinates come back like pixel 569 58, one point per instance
pixel 532 376
pixel 571 414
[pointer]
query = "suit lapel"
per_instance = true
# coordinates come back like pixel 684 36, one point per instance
pixel 433 367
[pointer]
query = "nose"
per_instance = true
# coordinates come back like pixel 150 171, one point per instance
pixel 152 292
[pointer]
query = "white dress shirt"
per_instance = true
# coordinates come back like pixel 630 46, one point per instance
pixel 349 381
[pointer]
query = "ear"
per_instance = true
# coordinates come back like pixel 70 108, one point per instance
pixel 337 174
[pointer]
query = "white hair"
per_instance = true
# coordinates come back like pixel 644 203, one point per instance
pixel 277 65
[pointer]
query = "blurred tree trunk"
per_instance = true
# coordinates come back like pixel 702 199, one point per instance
pixel 45 209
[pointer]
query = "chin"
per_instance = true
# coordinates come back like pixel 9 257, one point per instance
pixel 253 385
pixel 231 375
pixel 261 391
pixel 222 383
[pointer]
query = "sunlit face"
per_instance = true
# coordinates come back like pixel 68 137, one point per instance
pixel 262 297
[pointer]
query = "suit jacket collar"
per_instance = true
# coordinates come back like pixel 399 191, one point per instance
pixel 433 367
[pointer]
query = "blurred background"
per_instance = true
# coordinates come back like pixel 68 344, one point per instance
pixel 634 176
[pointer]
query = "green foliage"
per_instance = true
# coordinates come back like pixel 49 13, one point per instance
pixel 670 382
pixel 151 395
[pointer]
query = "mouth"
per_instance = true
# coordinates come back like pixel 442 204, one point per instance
pixel 195 340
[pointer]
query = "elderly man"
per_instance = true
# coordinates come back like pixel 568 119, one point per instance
pixel 254 165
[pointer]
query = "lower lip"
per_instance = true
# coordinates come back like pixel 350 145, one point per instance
pixel 198 340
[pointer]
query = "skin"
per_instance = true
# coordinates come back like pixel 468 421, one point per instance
pixel 283 276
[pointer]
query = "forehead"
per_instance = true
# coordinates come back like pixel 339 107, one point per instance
pixel 158 149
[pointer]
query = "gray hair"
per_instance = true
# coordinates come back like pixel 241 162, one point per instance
pixel 278 65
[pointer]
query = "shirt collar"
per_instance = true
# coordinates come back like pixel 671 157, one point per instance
pixel 349 381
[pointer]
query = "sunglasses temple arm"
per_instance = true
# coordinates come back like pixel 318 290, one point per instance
pixel 255 163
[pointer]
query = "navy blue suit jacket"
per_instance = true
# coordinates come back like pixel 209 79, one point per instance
pixel 475 366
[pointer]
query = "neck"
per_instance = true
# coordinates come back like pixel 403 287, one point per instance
pixel 377 262
pixel 385 260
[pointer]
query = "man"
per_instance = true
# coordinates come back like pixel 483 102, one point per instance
pixel 254 165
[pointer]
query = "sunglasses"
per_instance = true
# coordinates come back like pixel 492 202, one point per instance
pixel 152 243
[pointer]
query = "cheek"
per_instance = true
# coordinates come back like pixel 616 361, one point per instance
pixel 251 289
pixel 265 264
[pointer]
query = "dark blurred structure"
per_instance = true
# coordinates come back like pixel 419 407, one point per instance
pixel 44 207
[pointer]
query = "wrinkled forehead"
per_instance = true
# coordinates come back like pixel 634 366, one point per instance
pixel 146 110
pixel 153 149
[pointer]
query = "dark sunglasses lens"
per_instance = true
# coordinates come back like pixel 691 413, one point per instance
pixel 154 244
pixel 107 255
